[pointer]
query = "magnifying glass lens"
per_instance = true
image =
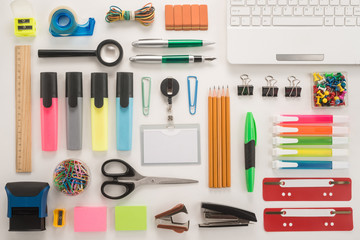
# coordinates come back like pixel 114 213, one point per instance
pixel 109 53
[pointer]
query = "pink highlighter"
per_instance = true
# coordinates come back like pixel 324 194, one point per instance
pixel 49 111
pixel 311 119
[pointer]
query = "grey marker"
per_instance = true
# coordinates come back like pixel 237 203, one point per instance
pixel 74 110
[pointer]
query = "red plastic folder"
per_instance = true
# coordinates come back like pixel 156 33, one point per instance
pixel 308 219
pixel 307 189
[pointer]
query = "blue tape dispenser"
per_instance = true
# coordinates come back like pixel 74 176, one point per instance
pixel 63 23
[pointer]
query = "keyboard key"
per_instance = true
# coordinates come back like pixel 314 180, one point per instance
pixel 308 11
pixel 303 2
pixel 277 11
pixel 334 2
pixel 319 11
pixel 252 2
pixel 339 11
pixel 266 21
pixel 256 21
pixel 324 2
pixel 238 2
pixel 288 11
pixel 293 2
pixel 329 21
pixel 297 21
pixel 350 21
pixel 261 2
pixel 339 21
pixel 314 2
pixel 271 2
pixel 355 2
pixel 349 11
pixel 329 11
pixel 357 11
pixel 266 11
pixel 344 2
pixel 240 11
pixel 235 21
pixel 256 11
pixel 282 2
pixel 298 11
pixel 245 21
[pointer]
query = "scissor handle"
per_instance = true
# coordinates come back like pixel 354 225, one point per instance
pixel 129 172
pixel 129 187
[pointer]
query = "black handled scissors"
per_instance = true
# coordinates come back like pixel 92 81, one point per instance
pixel 130 179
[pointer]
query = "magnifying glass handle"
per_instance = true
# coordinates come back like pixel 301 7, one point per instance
pixel 43 53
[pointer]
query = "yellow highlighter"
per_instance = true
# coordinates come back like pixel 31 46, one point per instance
pixel 99 111
pixel 309 152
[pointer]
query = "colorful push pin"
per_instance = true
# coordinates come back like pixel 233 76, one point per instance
pixel 326 93
pixel 318 101
pixel 324 100
pixel 342 95
pixel 341 89
pixel 320 94
pixel 337 100
pixel 316 78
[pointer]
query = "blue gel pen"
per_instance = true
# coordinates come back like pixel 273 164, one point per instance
pixel 124 110
pixel 289 164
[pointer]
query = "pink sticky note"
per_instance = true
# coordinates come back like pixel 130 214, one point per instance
pixel 90 219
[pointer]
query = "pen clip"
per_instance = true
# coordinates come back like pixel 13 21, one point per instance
pixel 146 104
pixel 124 88
pixel 192 105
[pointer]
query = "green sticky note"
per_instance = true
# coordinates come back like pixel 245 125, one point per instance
pixel 130 218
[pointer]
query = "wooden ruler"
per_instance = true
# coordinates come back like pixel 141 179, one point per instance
pixel 23 108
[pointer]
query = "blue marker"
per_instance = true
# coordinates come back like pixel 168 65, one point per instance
pixel 326 165
pixel 124 110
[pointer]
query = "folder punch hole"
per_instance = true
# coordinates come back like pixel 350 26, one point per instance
pixel 245 89
pixel 293 90
pixel 270 90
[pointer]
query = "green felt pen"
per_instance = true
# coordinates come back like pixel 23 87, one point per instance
pixel 324 140
pixel 250 143
pixel 170 59
pixel 171 43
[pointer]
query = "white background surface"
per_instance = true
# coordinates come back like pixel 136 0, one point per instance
pixel 161 198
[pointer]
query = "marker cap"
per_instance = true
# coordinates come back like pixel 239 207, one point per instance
pixel 124 87
pixel 340 140
pixel 340 165
pixel 99 88
pixel 340 119
pixel 340 130
pixel 48 87
pixel 73 88
pixel 340 152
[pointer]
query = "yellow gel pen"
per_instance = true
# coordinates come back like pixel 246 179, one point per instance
pixel 309 152
pixel 99 111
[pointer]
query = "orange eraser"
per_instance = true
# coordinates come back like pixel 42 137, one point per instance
pixel 203 17
pixel 178 18
pixel 195 17
pixel 169 17
pixel 186 17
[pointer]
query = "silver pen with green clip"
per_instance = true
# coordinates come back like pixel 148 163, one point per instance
pixel 170 59
pixel 171 43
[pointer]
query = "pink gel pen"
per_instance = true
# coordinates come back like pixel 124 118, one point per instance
pixel 311 119
pixel 49 111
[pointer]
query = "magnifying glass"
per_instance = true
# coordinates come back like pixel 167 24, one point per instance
pixel 109 53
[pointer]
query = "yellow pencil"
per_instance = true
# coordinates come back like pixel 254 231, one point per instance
pixel 215 138
pixel 219 138
pixel 210 137
pixel 228 151
pixel 223 139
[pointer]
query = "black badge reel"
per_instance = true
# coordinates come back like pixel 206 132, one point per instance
pixel 27 205
pixel 63 23
pixel 109 53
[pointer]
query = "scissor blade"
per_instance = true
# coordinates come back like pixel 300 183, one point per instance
pixel 160 180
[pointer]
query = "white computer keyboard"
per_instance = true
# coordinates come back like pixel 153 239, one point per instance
pixel 295 13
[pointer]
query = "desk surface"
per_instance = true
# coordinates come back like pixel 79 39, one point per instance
pixel 161 198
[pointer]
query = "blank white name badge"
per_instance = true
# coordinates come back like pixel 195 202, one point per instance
pixel 179 144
